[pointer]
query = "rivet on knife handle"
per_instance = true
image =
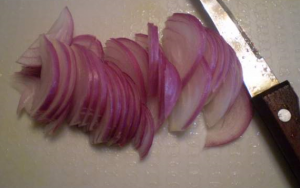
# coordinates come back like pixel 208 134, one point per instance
pixel 286 132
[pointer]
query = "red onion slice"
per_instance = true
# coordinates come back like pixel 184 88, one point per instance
pixel 147 139
pixel 142 40
pixel 140 55
pixel 192 99
pixel 101 129
pixel 172 88
pixel 233 124
pixel 223 98
pixel 63 83
pixel 52 126
pixel 90 42
pixel 49 81
pixel 62 30
pixel 130 130
pixel 137 140
pixel 223 61
pixel 127 100
pixel 27 86
pixel 210 53
pixel 172 81
pixel 81 91
pixel 94 88
pixel 70 81
pixel 184 42
pixel 102 98
pixel 119 54
pixel 121 106
pixel 154 60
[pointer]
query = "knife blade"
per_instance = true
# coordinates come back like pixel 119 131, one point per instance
pixel 276 103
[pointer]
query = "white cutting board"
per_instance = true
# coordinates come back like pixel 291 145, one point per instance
pixel 29 159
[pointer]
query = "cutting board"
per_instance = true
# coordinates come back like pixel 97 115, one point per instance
pixel 28 158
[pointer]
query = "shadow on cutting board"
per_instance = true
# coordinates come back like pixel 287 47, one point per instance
pixel 276 152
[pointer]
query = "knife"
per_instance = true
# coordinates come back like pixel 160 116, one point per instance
pixel 275 102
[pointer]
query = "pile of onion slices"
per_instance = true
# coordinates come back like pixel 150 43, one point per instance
pixel 127 90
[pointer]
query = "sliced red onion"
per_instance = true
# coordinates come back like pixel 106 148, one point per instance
pixel 172 81
pixel 210 53
pixel 172 88
pixel 184 43
pixel 223 61
pixel 154 60
pixel 59 100
pixel 93 60
pixel 233 124
pixel 156 104
pixel 120 103
pixel 140 55
pixel 102 98
pixel 71 79
pixel 50 74
pixel 130 131
pixel 62 30
pixel 119 54
pixel 91 43
pixel 192 99
pixel 27 86
pixel 137 140
pixel 127 107
pixel 82 90
pixel 147 139
pixel 51 127
pixel 101 129
pixel 126 94
pixel 227 92
pixel 142 40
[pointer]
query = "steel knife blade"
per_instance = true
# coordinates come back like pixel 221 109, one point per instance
pixel 276 103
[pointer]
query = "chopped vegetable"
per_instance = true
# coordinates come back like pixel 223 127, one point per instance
pixel 126 91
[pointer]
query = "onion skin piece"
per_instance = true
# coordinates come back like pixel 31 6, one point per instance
pixel 62 30
pixel 233 124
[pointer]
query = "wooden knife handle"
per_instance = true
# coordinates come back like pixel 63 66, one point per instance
pixel 274 106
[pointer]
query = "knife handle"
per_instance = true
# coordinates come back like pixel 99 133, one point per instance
pixel 274 107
